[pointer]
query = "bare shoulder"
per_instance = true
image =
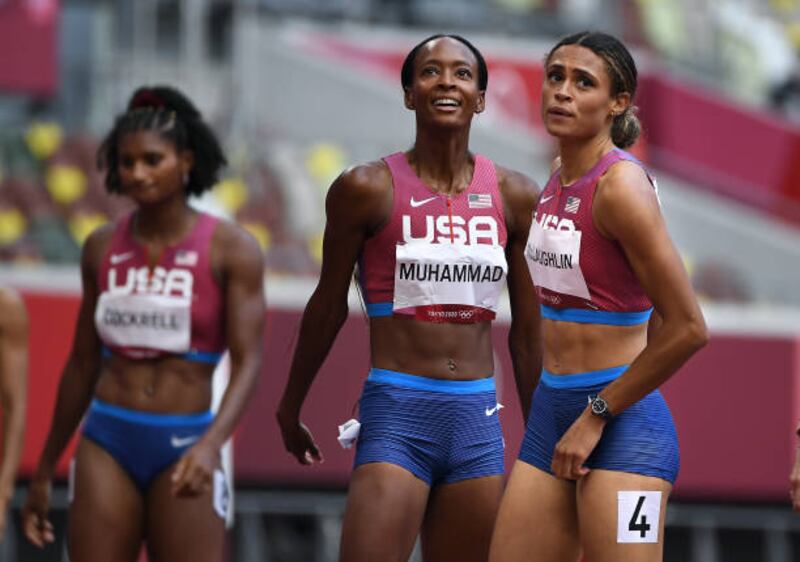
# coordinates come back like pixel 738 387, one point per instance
pixel 236 245
pixel 625 202
pixel 96 244
pixel 516 187
pixel 625 179
pixel 372 179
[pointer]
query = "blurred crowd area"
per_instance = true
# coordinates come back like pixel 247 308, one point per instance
pixel 52 194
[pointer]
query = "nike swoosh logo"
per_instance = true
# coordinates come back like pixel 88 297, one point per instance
pixel 546 199
pixel 119 258
pixel 497 408
pixel 180 442
pixel 421 202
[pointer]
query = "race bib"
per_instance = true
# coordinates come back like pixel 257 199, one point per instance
pixel 471 276
pixel 553 258
pixel 141 320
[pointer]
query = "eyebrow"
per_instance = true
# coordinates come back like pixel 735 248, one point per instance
pixel 576 69
pixel 454 63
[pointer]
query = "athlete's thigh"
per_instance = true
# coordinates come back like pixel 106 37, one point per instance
pixel 621 516
pixel 459 520
pixel 185 529
pixel 385 508
pixel 538 520
pixel 106 515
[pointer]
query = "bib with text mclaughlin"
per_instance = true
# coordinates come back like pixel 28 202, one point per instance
pixel 553 257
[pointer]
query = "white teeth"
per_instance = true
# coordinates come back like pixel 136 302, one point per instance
pixel 446 101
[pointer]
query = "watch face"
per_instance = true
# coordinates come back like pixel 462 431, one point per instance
pixel 599 406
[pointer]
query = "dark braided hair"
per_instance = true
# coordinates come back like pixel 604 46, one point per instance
pixel 621 68
pixel 407 72
pixel 175 118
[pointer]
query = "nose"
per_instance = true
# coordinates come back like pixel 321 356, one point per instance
pixel 139 172
pixel 446 78
pixel 562 91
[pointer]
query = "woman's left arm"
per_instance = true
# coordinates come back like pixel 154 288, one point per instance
pixel 242 268
pixel 626 209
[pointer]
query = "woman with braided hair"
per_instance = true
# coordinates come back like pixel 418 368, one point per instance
pixel 166 290
pixel 600 452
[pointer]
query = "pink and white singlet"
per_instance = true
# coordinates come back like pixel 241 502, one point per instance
pixel 177 307
pixel 580 275
pixel 439 258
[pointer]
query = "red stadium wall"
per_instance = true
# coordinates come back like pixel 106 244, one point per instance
pixel 735 405
pixel 28 46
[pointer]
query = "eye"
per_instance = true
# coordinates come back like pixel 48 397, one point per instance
pixel 555 76
pixel 584 82
pixel 464 73
pixel 125 161
pixel 153 158
pixel 429 71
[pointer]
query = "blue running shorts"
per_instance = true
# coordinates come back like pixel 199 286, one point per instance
pixel 143 443
pixel 641 440
pixel 441 431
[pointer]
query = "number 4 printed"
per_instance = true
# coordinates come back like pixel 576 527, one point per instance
pixel 638 516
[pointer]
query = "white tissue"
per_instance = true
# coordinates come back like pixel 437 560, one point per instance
pixel 348 433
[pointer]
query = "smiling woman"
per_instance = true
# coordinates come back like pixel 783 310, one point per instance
pixel 435 232
pixel 166 291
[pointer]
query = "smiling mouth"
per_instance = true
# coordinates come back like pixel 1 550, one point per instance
pixel 446 103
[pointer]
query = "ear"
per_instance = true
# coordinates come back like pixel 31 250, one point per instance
pixel 481 105
pixel 186 161
pixel 408 99
pixel 619 104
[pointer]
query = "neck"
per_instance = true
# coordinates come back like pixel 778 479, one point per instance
pixel 164 223
pixel 578 157
pixel 442 160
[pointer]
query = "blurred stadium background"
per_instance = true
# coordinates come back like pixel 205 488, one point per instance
pixel 300 89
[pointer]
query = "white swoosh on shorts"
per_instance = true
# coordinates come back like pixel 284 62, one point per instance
pixel 497 408
pixel 179 442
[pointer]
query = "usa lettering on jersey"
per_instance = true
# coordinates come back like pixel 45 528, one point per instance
pixel 162 281
pixel 439 230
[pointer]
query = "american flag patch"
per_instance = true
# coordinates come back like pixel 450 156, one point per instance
pixel 572 204
pixel 479 201
pixel 186 258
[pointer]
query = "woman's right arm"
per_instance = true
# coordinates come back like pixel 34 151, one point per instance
pixel 75 390
pixel 355 206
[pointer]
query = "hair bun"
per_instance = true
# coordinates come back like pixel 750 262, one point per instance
pixel 626 128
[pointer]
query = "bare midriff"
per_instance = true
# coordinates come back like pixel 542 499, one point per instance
pixel 571 347
pixel 168 385
pixel 437 350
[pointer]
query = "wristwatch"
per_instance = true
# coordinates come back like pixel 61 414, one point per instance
pixel 599 407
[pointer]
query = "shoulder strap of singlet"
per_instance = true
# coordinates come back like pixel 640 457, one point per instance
pixel 397 165
pixel 204 230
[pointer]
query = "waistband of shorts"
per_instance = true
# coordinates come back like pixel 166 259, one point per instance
pixel 151 418
pixel 582 380
pixel 586 316
pixel 418 382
